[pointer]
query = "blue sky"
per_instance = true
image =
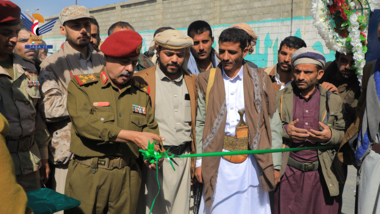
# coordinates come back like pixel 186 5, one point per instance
pixel 53 7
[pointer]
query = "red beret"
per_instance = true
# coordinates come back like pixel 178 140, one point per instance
pixel 9 13
pixel 125 43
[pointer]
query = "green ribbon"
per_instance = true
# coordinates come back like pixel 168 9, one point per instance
pixel 212 154
pixel 153 156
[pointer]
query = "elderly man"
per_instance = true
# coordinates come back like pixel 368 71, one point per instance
pixel 28 139
pixel 144 62
pixel 312 116
pixel 236 112
pixel 203 56
pixel 340 78
pixel 76 56
pixel 112 119
pixel 281 73
pixel 174 102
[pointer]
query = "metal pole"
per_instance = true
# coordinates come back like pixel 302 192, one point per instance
pixel 76 2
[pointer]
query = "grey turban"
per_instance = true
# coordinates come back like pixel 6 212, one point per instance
pixel 308 56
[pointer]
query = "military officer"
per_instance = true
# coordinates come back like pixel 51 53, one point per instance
pixel 12 198
pixel 19 93
pixel 111 118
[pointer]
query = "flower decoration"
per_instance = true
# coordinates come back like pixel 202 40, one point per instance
pixel 342 25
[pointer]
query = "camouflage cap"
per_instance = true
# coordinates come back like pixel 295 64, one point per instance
pixel 73 12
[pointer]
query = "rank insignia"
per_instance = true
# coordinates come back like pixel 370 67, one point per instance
pixel 85 79
pixel 103 76
pixel 101 104
pixel 138 109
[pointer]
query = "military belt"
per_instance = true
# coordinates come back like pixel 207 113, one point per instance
pixel 304 167
pixel 105 162
pixel 178 150
pixel 20 145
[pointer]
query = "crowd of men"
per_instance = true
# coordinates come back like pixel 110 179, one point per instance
pixel 75 121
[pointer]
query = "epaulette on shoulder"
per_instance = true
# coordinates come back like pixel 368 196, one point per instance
pixel 141 86
pixel 85 79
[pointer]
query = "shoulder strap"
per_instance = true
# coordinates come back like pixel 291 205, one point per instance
pixel 282 98
pixel 210 83
pixel 325 119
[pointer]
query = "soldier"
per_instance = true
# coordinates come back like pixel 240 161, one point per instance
pixel 111 118
pixel 19 92
pixel 76 56
pixel 13 197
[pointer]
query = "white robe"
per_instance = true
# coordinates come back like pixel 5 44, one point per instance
pixel 238 189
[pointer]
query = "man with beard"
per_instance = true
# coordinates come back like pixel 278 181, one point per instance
pixel 144 62
pixel 236 112
pixel 112 119
pixel 19 93
pixel 76 57
pixel 153 46
pixel 281 73
pixel 95 33
pixel 341 79
pixel 203 56
pixel 360 145
pixel 174 103
pixel 312 116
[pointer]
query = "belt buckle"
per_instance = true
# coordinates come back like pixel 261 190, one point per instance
pixel 104 162
pixel 308 167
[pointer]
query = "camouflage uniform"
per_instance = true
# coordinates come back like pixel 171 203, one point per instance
pixel 56 72
pixel 28 137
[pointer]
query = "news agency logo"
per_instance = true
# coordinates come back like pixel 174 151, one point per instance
pixel 36 31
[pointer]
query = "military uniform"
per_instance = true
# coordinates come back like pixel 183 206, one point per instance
pixel 28 137
pixel 12 198
pixel 106 171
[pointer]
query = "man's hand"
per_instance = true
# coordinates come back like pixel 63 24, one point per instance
pixel 320 136
pixel 152 166
pixel 277 177
pixel 297 133
pixel 142 139
pixel 44 170
pixel 330 87
pixel 198 174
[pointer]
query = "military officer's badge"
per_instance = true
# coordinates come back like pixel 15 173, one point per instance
pixel 103 76
pixel 85 79
pixel 33 83
pixel 138 109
